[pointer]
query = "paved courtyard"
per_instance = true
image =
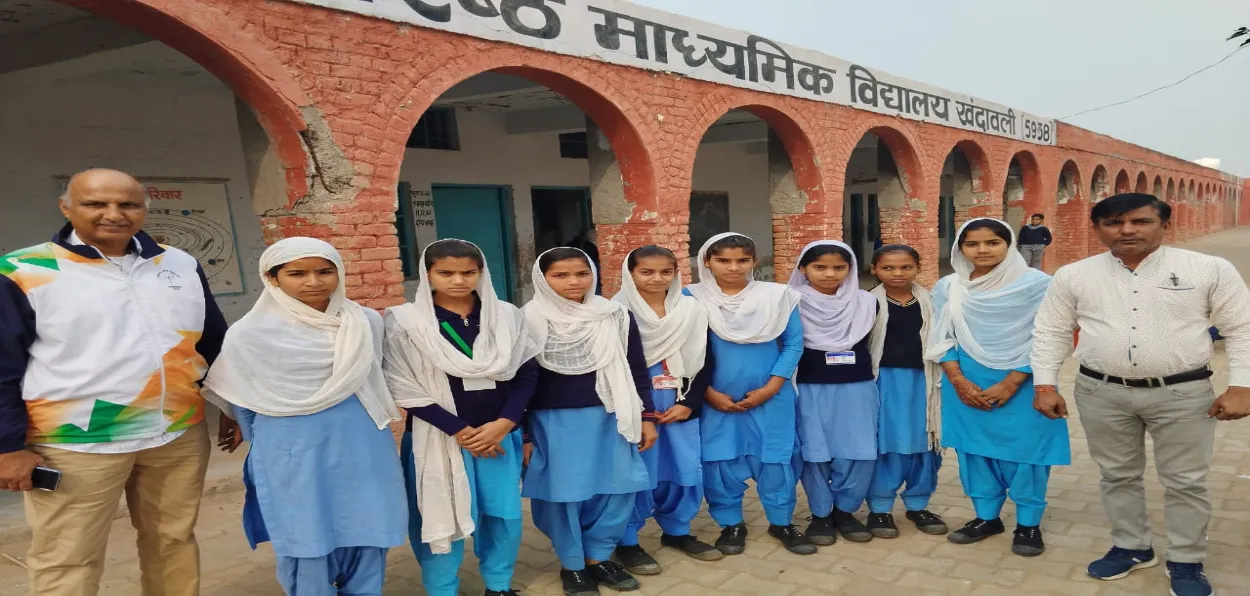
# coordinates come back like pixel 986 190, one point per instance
pixel 914 564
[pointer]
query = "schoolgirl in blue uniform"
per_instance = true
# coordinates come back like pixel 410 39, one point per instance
pixel 838 399
pixel 589 421
pixel 909 427
pixel 749 431
pixel 674 338
pixel 982 337
pixel 459 359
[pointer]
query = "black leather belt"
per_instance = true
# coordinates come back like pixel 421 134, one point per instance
pixel 1185 377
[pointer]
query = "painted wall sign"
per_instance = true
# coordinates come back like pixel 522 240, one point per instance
pixel 195 216
pixel 624 33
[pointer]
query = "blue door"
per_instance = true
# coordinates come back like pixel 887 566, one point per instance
pixel 479 214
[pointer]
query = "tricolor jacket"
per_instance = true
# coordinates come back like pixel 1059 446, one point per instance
pixel 89 354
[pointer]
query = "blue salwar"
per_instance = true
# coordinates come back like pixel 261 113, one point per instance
pixel 760 443
pixel 496 510
pixel 904 457
pixel 1008 450
pixel 349 571
pixel 582 482
pixel 675 468
pixel 838 433
pixel 326 490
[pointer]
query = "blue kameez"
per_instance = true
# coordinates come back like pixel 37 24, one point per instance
pixel 759 444
pixel 675 468
pixel 1005 451
pixel 327 491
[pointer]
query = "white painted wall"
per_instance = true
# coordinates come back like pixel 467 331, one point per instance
pixel 146 110
pixel 490 156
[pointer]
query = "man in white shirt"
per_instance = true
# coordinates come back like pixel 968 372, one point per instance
pixel 104 337
pixel 1144 310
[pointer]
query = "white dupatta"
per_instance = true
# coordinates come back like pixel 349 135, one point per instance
pixel 757 314
pixel 833 323
pixel 417 361
pixel 576 338
pixel 285 358
pixel 679 338
pixel 932 372
pixel 990 317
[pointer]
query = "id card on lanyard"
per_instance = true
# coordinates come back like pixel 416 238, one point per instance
pixel 665 380
pixel 469 384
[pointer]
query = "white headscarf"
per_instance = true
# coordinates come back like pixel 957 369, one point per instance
pixel 591 336
pixel 417 361
pixel 932 372
pixel 757 314
pixel 285 358
pixel 679 338
pixel 834 323
pixel 990 317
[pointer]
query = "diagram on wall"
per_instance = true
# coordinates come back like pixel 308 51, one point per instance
pixel 195 217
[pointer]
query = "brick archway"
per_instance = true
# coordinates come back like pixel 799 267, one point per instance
pixel 206 35
pixel 1029 200
pixel 1071 226
pixel 1142 184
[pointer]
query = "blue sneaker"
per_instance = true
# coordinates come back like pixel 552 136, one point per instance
pixel 1188 579
pixel 1119 562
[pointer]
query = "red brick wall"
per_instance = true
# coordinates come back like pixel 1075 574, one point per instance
pixel 339 93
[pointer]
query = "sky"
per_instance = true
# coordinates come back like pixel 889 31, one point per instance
pixel 1048 57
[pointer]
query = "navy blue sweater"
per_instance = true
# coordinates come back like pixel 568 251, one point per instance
pixel 1029 236
pixel 508 399
pixel 556 391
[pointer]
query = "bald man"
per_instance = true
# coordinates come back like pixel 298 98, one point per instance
pixel 104 337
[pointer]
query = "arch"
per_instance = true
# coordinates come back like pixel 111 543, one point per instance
pixel 903 149
pixel 215 42
pixel 1099 185
pixel 595 97
pixel 1122 183
pixel 964 184
pixel 1021 196
pixel 1142 184
pixel 1070 228
pixel 1170 198
pixel 798 146
pixel 1157 187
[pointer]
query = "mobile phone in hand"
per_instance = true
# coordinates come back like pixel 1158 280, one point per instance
pixel 45 478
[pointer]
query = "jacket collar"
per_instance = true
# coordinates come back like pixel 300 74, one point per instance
pixel 147 247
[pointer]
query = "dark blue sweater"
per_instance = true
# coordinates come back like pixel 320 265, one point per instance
pixel 1031 237
pixel 474 408
pixel 556 391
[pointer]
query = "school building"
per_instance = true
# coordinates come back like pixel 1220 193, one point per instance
pixel 382 125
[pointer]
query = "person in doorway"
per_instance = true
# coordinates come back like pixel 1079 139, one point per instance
pixel 1144 311
pixel 837 394
pixel 749 433
pixel 1034 239
pixel 589 421
pixel 104 337
pixel 585 242
pixel 302 373
pixel 462 364
pixel 909 427
pixel 982 336
pixel 673 327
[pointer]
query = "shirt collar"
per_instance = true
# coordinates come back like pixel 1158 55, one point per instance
pixel 76 241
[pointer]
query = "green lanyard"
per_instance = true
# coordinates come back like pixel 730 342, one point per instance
pixel 456 338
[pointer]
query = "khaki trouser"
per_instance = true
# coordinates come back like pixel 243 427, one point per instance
pixel 1033 254
pixel 70 526
pixel 1116 419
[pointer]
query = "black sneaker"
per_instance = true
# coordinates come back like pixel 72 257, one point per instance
pixel 578 583
pixel 733 540
pixel 792 539
pixel 504 593
pixel 1028 541
pixel 976 531
pixel 636 560
pixel 613 576
pixel 693 547
pixel 1119 562
pixel 882 525
pixel 928 522
pixel 821 531
pixel 850 528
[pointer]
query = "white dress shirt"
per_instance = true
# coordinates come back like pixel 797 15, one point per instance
pixel 1152 322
